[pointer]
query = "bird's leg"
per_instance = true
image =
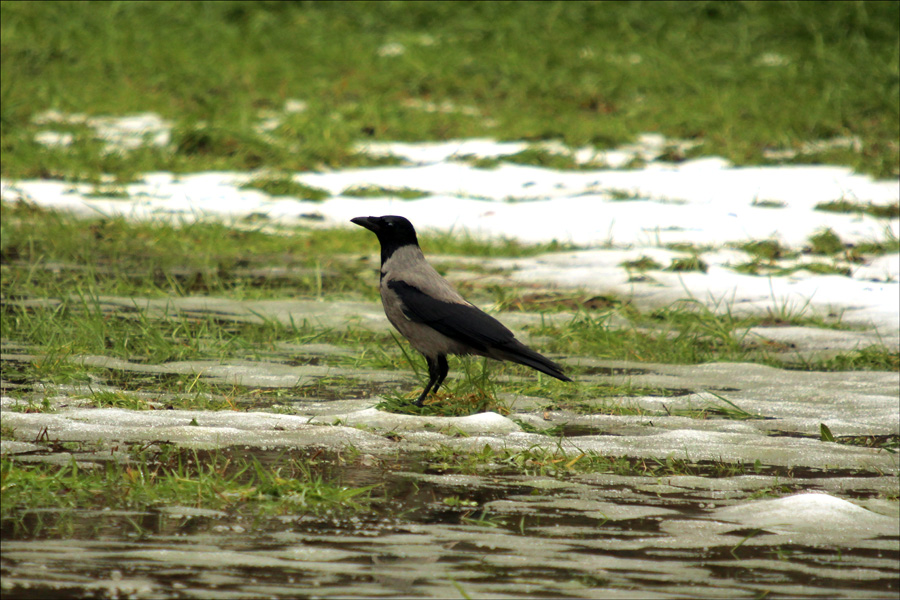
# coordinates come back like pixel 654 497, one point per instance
pixel 443 369
pixel 434 373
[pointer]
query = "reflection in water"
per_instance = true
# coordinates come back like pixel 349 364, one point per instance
pixel 427 532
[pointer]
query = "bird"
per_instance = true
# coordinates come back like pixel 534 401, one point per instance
pixel 428 311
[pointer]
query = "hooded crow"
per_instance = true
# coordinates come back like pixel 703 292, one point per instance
pixel 431 314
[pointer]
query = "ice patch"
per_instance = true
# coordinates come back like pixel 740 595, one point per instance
pixel 481 423
pixel 811 513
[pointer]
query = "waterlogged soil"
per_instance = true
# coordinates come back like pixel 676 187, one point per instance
pixel 671 495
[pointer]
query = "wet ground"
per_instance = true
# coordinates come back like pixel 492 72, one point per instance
pixel 588 536
pixel 682 494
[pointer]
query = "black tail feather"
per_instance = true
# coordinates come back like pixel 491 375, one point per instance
pixel 518 352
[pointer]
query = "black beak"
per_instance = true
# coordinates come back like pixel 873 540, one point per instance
pixel 370 223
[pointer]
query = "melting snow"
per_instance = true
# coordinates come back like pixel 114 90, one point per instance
pixel 616 215
pixel 809 513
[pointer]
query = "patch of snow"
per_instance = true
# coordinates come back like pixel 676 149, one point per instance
pixel 391 49
pixel 615 215
pixel 119 133
pixel 810 513
pixel 445 107
pixel 772 59
pixel 434 152
pixel 54 138
pixel 480 423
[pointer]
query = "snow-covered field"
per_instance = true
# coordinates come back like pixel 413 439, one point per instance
pixel 611 214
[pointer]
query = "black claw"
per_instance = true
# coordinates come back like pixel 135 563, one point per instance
pixel 421 400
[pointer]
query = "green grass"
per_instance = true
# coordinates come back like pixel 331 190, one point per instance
pixel 768 203
pixel 825 242
pixel 768 268
pixel 79 325
pixel 474 392
pixel 768 250
pixel 890 211
pixel 219 480
pixel 890 243
pixel 43 252
pixel 691 263
pixel 512 299
pixel 284 185
pixel 110 192
pixel 616 195
pixel 376 191
pixel 542 461
pixel 580 72
pixel 539 157
pixel 590 399
pixel 687 332
pixel 56 270
pixel 644 263
pixel 870 358
pixel 43 249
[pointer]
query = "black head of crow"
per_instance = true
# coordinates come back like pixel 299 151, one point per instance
pixel 431 314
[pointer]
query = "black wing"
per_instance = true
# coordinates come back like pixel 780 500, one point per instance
pixel 460 322
pixel 470 326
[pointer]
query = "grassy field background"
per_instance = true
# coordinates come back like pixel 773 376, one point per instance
pixel 739 77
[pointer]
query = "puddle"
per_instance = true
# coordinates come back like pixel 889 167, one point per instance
pixel 434 535
pixel 573 430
